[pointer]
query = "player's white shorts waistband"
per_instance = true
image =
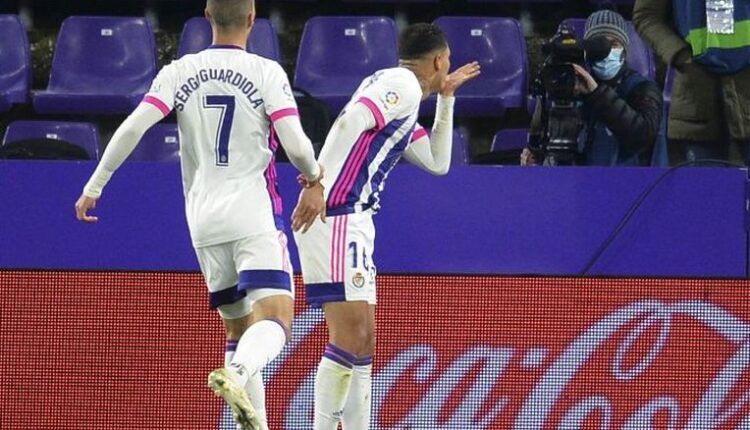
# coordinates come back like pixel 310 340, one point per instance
pixel 336 257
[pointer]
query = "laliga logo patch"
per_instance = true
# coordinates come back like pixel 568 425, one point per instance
pixel 358 280
pixel 391 99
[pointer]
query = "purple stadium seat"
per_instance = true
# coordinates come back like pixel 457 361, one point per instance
pixel 83 134
pixel 160 143
pixel 196 36
pixel 15 62
pixel 336 53
pixel 499 46
pixel 102 65
pixel 511 139
pixel 640 57
pixel 460 154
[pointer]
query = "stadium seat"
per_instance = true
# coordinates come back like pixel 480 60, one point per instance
pixel 499 46
pixel 101 65
pixel 196 36
pixel 460 154
pixel 15 62
pixel 160 143
pixel 337 53
pixel 511 139
pixel 82 134
pixel 640 57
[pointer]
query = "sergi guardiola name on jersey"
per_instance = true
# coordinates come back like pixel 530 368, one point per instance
pixel 227 76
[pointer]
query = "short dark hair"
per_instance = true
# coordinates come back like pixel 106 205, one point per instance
pixel 229 14
pixel 418 40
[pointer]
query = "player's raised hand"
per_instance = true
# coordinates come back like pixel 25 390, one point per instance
pixel 311 205
pixel 460 76
pixel 83 205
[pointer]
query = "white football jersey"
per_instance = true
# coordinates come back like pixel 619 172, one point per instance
pixel 226 101
pixel 356 171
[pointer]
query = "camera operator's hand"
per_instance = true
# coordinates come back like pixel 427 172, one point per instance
pixel 585 84
pixel 461 75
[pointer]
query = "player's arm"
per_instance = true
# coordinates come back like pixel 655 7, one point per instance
pixel 300 152
pixel 282 112
pixel 297 145
pixel 347 128
pixel 123 142
pixel 281 109
pixel 433 153
pixel 155 106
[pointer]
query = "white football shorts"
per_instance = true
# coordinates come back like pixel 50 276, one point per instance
pixel 240 272
pixel 336 257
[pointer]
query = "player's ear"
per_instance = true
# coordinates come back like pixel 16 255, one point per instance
pixel 207 14
pixel 251 16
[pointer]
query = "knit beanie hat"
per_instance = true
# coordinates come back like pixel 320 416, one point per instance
pixel 607 23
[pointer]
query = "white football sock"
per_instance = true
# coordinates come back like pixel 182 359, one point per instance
pixel 254 388
pixel 261 343
pixel 332 384
pixel 257 393
pixel 359 403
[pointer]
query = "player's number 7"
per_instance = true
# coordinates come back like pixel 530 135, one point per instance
pixel 226 105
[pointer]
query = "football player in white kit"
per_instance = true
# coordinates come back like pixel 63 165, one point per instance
pixel 232 107
pixel 376 128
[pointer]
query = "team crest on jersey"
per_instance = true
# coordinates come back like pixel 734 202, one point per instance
pixel 391 99
pixel 358 280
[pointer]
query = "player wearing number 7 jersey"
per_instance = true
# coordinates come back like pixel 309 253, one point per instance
pixel 233 108
pixel 377 127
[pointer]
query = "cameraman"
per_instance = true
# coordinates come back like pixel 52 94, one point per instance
pixel 621 110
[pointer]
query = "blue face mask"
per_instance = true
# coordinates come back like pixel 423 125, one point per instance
pixel 610 66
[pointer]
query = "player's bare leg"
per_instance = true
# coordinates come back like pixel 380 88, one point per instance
pixel 343 381
pixel 240 382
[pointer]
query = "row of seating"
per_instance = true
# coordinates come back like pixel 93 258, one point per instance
pixel 160 143
pixel 104 65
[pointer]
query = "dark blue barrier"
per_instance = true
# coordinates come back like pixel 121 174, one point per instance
pixel 494 220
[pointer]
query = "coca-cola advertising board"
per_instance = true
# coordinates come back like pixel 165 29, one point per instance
pixel 109 350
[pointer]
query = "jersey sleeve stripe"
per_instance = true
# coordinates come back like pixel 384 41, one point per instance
pixel 281 113
pixel 418 134
pixel 157 103
pixel 379 119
